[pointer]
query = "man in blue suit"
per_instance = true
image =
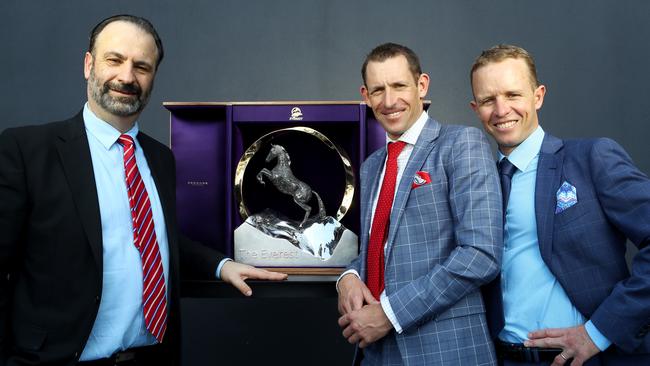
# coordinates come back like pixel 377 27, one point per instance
pixel 565 286
pixel 431 230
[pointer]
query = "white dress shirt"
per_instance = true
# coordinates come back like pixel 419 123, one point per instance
pixel 410 136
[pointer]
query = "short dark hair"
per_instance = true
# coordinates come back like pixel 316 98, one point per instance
pixel 389 50
pixel 502 52
pixel 142 23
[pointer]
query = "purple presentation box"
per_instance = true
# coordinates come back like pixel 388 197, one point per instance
pixel 208 140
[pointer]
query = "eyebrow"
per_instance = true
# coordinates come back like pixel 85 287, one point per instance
pixel 503 92
pixel 383 86
pixel 114 54
pixel 122 57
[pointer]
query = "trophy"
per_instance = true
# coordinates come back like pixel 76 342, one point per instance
pixel 286 221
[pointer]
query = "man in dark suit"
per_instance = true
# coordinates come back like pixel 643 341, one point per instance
pixel 90 252
pixel 565 291
pixel 430 229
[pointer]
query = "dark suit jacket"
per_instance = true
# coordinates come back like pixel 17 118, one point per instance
pixel 584 246
pixel 51 242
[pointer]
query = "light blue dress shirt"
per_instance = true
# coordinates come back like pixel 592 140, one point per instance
pixel 120 321
pixel 532 297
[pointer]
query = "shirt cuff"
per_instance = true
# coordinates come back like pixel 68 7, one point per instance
pixel 385 304
pixel 218 272
pixel 597 337
pixel 345 273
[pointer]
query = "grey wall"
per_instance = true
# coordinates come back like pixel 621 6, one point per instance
pixel 591 54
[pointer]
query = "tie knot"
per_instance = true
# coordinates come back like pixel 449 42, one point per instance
pixel 507 168
pixel 394 148
pixel 125 140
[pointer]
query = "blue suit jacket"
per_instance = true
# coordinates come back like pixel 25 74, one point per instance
pixel 444 241
pixel 584 246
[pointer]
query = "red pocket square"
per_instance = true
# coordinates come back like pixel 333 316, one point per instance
pixel 420 179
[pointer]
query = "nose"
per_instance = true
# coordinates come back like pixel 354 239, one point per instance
pixel 502 108
pixel 126 74
pixel 389 98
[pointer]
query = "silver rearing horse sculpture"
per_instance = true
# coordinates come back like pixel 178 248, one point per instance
pixel 283 179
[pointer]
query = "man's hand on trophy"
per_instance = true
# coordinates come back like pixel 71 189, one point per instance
pixel 236 273
pixel 353 294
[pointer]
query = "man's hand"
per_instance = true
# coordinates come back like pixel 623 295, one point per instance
pixel 365 325
pixel 575 343
pixel 353 294
pixel 235 273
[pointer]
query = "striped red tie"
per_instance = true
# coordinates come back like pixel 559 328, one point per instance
pixel 144 237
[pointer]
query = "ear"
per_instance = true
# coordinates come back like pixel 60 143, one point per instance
pixel 474 106
pixel 364 94
pixel 88 64
pixel 539 94
pixel 423 85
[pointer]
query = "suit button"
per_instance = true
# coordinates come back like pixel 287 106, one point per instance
pixel 641 334
pixel 76 354
pixel 97 299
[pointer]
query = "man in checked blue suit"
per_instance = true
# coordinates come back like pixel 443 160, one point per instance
pixel 567 294
pixel 431 230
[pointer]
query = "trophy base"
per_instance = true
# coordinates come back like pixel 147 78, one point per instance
pixel 256 248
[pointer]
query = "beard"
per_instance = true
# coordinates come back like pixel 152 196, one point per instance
pixel 123 106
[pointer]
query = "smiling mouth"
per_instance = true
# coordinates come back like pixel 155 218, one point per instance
pixel 505 125
pixel 393 115
pixel 124 92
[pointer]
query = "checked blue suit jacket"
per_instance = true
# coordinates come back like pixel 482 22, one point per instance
pixel 444 241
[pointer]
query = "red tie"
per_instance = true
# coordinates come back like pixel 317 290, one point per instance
pixel 380 222
pixel 144 237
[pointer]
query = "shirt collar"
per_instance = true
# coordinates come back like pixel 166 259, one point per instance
pixel 106 134
pixel 411 135
pixel 523 154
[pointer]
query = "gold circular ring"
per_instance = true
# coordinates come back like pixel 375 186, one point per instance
pixel 255 147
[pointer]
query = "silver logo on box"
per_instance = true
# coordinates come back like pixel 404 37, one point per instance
pixel 296 114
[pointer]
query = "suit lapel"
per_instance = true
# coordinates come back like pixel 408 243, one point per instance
pixel 425 143
pixel 370 188
pixel 74 152
pixel 549 171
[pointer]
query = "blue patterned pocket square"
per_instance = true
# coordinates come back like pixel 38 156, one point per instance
pixel 567 196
